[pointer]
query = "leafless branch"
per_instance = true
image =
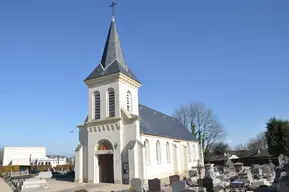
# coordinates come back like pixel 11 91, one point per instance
pixel 205 122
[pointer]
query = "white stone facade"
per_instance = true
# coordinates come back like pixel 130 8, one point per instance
pixel 116 144
pixel 128 147
pixel 26 155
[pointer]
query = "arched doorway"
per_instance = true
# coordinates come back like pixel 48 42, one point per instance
pixel 105 162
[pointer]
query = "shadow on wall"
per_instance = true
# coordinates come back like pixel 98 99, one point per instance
pixel 124 155
pixel 1 156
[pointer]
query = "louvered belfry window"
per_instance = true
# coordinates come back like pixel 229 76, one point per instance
pixel 128 101
pixel 111 102
pixel 96 105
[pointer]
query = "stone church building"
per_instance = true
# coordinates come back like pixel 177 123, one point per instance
pixel 122 139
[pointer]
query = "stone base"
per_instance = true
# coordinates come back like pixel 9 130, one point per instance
pixel 117 182
pixel 85 180
pixel 78 181
pixel 90 182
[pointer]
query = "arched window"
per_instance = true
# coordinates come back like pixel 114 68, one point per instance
pixel 128 101
pixel 96 105
pixel 189 153
pixel 158 151
pixel 111 102
pixel 168 152
pixel 147 151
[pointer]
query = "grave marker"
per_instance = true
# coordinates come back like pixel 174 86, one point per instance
pixel 136 184
pixel 154 185
pixel 174 178
pixel 178 186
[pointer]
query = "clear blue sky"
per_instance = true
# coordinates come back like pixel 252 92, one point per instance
pixel 231 55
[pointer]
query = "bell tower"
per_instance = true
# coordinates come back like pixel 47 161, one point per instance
pixel 112 86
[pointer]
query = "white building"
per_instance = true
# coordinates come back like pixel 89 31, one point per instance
pixel 29 155
pixel 122 139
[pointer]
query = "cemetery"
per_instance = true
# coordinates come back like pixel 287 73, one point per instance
pixel 233 177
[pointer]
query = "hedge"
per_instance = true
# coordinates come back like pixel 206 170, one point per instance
pixel 66 167
pixel 6 169
pixel 40 168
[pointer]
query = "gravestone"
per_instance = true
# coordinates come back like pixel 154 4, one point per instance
pixel 282 160
pixel 245 177
pixel 154 184
pixel 209 170
pixel 226 170
pixel 174 178
pixel 267 189
pixel 238 166
pixel 178 186
pixel 33 184
pixel 193 173
pixel 208 184
pixel 136 184
pixel 44 175
pixel 188 190
pixel 229 163
pixel 256 172
pixel 255 166
pixel 272 166
pixel 267 170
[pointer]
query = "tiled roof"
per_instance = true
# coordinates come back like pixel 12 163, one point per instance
pixel 156 123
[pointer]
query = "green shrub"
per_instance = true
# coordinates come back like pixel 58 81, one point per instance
pixel 8 168
pixel 64 167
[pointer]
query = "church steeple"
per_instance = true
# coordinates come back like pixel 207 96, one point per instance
pixel 112 60
pixel 112 50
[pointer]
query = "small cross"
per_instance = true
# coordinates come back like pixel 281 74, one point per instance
pixel 113 3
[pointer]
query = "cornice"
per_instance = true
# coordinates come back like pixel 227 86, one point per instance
pixel 110 120
pixel 130 80
pixel 108 79
pixel 102 80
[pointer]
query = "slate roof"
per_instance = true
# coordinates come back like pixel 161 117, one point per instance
pixel 156 123
pixel 240 153
pixel 262 153
pixel 112 60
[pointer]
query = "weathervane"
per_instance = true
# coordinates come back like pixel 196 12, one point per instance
pixel 113 3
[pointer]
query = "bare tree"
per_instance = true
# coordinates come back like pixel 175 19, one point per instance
pixel 220 148
pixel 258 142
pixel 240 147
pixel 202 123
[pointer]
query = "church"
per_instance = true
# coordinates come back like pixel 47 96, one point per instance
pixel 121 139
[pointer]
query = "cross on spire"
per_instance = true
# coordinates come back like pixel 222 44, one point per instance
pixel 113 3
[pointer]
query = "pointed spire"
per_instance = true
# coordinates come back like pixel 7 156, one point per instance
pixel 112 60
pixel 112 50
